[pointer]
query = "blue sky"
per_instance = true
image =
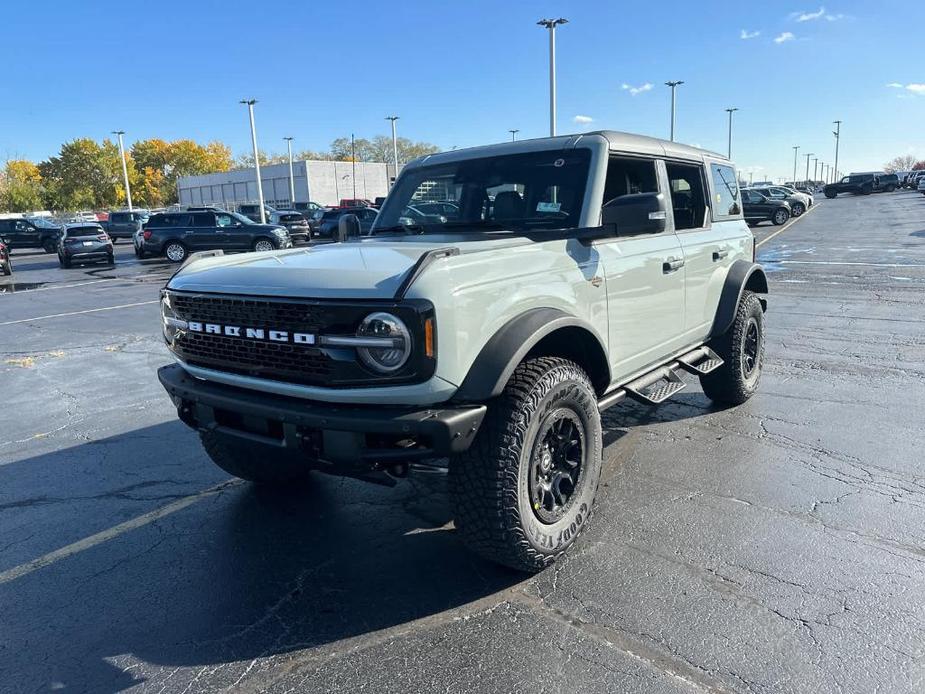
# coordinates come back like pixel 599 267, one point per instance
pixel 463 73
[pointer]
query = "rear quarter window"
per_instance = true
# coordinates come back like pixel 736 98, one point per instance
pixel 726 201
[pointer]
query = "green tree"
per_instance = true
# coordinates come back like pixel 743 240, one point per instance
pixel 21 189
pixel 85 174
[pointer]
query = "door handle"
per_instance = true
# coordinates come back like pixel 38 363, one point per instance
pixel 672 265
pixel 719 255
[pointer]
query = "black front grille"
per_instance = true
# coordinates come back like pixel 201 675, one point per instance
pixel 284 361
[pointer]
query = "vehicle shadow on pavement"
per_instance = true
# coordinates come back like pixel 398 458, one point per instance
pixel 249 573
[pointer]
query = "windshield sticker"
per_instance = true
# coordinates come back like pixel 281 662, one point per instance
pixel 548 206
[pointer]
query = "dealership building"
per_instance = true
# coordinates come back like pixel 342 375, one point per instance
pixel 324 182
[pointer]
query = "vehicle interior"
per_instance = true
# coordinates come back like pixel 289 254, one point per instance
pixel 688 197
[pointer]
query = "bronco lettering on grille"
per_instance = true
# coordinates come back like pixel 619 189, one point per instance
pixel 251 333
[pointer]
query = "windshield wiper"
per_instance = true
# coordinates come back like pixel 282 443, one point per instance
pixel 407 228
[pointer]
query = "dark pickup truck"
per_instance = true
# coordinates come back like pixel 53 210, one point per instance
pixel 863 184
pixel 31 233
pixel 124 224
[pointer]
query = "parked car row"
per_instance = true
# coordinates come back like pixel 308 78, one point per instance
pixel 863 184
pixel 774 203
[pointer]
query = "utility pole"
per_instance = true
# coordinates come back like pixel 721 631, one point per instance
pixel 730 111
pixel 128 190
pixel 551 24
pixel 353 158
pixel 394 144
pixel 796 149
pixel 513 134
pixel 250 109
pixel 674 85
pixel 837 134
pixel 291 175
pixel 806 180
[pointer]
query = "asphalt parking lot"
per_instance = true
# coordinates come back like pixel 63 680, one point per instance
pixel 778 546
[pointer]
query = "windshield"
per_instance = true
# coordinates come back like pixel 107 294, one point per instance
pixel 43 223
pixel 518 192
pixel 241 218
pixel 77 232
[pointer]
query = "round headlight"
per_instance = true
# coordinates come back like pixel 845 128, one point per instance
pixel 395 339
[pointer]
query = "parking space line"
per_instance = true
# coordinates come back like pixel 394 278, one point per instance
pixel 77 313
pixel 793 220
pixel 113 532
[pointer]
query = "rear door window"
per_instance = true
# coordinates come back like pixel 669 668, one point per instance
pixel 688 195
pixel 203 219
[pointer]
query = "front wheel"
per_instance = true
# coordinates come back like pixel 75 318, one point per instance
pixel 525 489
pixel 742 350
pixel 780 217
pixel 49 246
pixel 175 252
pixel 798 209
pixel 261 245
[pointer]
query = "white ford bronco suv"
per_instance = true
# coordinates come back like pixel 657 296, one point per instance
pixel 504 298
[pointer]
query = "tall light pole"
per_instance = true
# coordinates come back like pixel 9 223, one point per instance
pixel 250 109
pixel 551 24
pixel 291 175
pixel 128 190
pixel 674 85
pixel 513 133
pixel 353 158
pixel 730 111
pixel 394 144
pixel 796 148
pixel 806 180
pixel 837 134
pixel 815 170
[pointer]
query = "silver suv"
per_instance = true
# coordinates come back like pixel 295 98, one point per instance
pixel 562 276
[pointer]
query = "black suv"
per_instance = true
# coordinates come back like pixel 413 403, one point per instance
pixel 758 208
pixel 859 184
pixel 30 233
pixel 123 225
pixel 177 234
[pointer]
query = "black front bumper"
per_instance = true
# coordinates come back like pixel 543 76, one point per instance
pixel 352 435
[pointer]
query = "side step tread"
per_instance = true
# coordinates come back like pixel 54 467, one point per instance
pixel 655 388
pixel 701 361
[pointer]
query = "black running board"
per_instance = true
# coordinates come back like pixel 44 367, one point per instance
pixel 661 383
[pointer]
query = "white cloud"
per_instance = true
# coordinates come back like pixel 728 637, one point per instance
pixel 913 87
pixel 583 120
pixel 784 37
pixel 809 16
pixel 637 90
pixel 745 34
pixel 813 16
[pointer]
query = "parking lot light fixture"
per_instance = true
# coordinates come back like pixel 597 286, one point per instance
pixel 513 133
pixel 837 134
pixel 353 158
pixel 815 169
pixel 730 111
pixel 128 189
pixel 394 144
pixel 796 148
pixel 291 175
pixel 250 109
pixel 551 25
pixel 806 180
pixel 674 84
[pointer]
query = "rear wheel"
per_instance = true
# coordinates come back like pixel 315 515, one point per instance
pixel 64 262
pixel 830 194
pixel 742 350
pixel 780 216
pixel 8 267
pixel 175 252
pixel 252 461
pixel 525 489
pixel 111 259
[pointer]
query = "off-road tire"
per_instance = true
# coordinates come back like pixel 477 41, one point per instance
pixel 490 482
pixel 252 461
pixel 734 382
pixel 830 194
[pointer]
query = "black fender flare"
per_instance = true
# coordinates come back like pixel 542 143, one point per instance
pixel 497 360
pixel 743 274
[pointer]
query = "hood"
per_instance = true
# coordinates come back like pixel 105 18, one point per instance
pixel 338 270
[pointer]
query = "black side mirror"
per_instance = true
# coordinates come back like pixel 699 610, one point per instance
pixel 639 213
pixel 348 227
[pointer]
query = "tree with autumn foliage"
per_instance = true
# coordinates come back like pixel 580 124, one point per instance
pixel 20 186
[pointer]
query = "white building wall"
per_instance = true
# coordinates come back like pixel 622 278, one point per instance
pixel 324 182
